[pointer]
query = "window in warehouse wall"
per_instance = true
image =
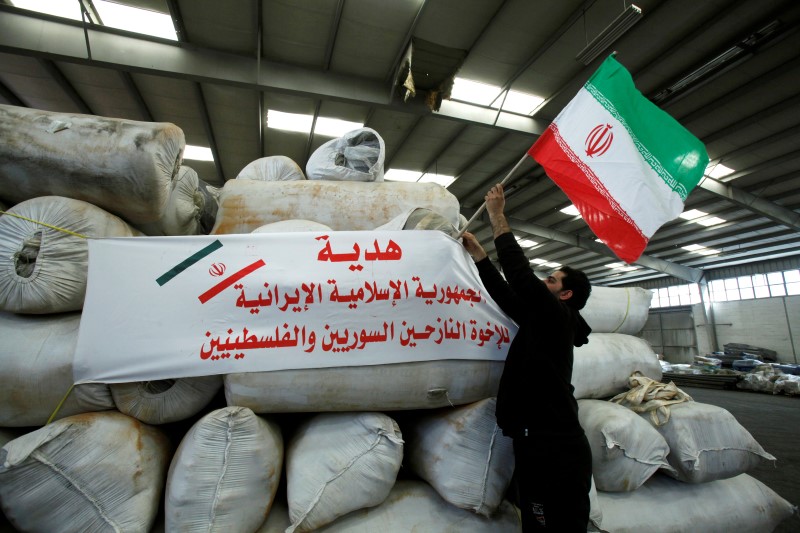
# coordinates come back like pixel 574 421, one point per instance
pixel 770 285
pixel 773 284
pixel 676 295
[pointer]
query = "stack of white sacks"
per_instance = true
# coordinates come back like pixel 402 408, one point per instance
pixel 396 447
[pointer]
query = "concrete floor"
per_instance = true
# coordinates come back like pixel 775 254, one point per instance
pixel 774 421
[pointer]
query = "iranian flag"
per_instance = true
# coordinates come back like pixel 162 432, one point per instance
pixel 625 164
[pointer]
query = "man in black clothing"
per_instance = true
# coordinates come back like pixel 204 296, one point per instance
pixel 535 402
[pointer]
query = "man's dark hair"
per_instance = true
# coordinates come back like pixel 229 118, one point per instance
pixel 577 282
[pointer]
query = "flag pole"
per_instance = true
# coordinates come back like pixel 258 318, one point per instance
pixel 483 206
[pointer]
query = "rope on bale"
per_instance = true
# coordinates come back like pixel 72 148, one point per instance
pixel 648 395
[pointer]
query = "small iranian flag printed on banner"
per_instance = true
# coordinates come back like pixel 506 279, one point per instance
pixel 625 164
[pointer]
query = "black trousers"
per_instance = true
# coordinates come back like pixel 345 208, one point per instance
pixel 552 479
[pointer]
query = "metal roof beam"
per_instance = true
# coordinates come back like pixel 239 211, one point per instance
pixel 679 271
pixel 771 210
pixel 31 34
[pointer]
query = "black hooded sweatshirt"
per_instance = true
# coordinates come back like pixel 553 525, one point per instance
pixel 535 393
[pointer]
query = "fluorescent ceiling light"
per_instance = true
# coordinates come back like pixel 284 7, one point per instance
pixel 552 264
pixel 692 214
pixel 300 122
pixel 414 176
pixel 713 221
pixel 630 16
pixel 396 174
pixel 197 153
pixel 537 261
pixel 700 249
pixel 333 127
pixel 136 20
pixel 571 210
pixel 475 92
pixel 718 170
pixel 289 121
pixel 517 102
pixel 695 214
pixel 622 266
pixel 527 243
pixel 441 179
pixel 113 15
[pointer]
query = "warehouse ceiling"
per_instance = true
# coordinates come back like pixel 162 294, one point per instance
pixel 728 70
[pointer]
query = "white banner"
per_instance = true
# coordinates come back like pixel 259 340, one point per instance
pixel 171 307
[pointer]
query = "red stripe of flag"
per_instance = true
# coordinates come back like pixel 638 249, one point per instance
pixel 230 280
pixel 599 210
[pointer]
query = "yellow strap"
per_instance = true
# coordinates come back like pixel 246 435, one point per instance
pixel 43 224
pixel 627 308
pixel 58 407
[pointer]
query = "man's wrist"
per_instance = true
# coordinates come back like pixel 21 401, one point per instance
pixel 499 224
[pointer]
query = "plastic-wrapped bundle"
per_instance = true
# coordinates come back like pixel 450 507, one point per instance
pixel 420 219
pixel 44 270
pixel 272 168
pixel 123 166
pixel 617 309
pixel 417 385
pixel 189 203
pixel 738 504
pixel 626 450
pixel 355 156
pixel 338 463
pixel 245 205
pixel 225 473
pixel 167 400
pixel 36 358
pixel 707 443
pixel 463 454
pixel 601 368
pixel 89 472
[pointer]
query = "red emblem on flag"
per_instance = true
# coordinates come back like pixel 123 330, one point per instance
pixel 217 269
pixel 599 140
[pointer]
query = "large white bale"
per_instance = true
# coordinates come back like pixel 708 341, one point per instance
pixel 123 166
pixel 186 208
pixel 602 367
pixel 412 506
pixel 42 269
pixel 353 206
pixel 617 309
pixel 272 168
pixel 225 473
pixel 36 361
pixel 166 400
pixel 707 443
pixel 463 454
pixel 90 472
pixel 416 385
pixel 741 504
pixel 626 450
pixel 357 155
pixel 340 462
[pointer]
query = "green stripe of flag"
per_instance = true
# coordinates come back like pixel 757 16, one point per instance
pixel 189 261
pixel 674 153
